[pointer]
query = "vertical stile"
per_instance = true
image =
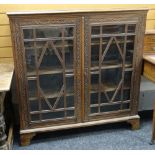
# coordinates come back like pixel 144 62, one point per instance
pixel 37 73
pixel 123 68
pixel 82 67
pixel 64 75
pixel 76 110
pixel 100 71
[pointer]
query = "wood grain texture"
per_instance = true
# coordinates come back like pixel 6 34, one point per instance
pixel 135 123
pixel 85 124
pixel 150 58
pixel 82 21
pixel 25 139
pixel 149 69
pixel 149 42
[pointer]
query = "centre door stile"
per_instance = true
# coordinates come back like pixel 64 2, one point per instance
pixel 82 68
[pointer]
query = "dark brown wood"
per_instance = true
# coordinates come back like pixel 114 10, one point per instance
pixel 124 65
pixel 81 70
pixel 100 64
pixel 25 139
pixel 135 123
pixel 85 124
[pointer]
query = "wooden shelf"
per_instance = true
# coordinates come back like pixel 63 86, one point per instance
pixel 49 94
pixel 95 68
pixel 93 43
pixel 40 47
pixel 110 104
pixel 49 39
pixel 107 87
pixel 113 35
pixel 47 71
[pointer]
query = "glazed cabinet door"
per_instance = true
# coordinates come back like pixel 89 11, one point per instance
pixel 51 56
pixel 109 67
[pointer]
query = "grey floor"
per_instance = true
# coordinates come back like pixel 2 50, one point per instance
pixel 110 137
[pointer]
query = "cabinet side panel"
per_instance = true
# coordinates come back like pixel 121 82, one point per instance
pixel 138 62
pixel 18 62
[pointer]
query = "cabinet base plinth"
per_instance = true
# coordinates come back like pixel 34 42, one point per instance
pixel 25 139
pixel 135 123
pixel 27 134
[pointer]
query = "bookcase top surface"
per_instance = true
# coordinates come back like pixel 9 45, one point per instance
pixel 75 11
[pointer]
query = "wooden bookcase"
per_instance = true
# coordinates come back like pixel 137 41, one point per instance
pixel 77 68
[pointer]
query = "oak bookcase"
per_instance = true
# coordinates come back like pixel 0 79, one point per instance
pixel 77 68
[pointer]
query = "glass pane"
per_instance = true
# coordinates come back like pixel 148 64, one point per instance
pixel 69 58
pixel 112 52
pixel 95 47
pixel 28 33
pixel 131 28
pixel 94 82
pixel 94 98
pixel 113 29
pixel 117 96
pixel 48 32
pixel 126 95
pixel 95 30
pixel 94 110
pixel 35 117
pixel 51 84
pixel 50 68
pixel 129 49
pixel 70 101
pixel 32 88
pixel 44 105
pixel 70 113
pixel 127 79
pixel 34 105
pixel 30 60
pixel 125 105
pixel 108 108
pixel 106 87
pixel 104 98
pixel 50 59
pixel 28 44
pixel 53 115
pixel 108 80
pixel 69 32
pixel 70 85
